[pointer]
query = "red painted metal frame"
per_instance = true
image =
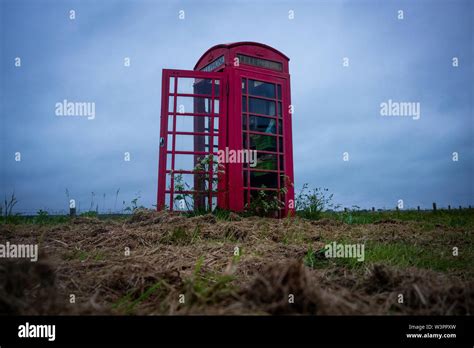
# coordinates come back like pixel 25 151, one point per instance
pixel 230 185
pixel 164 132
pixel 235 177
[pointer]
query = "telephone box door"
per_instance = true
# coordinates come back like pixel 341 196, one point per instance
pixel 192 130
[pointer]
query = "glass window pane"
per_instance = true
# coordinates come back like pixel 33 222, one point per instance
pixel 259 62
pixel 254 195
pixel 172 81
pixel 244 88
pixel 215 182
pixel 193 105
pixel 261 89
pixel 262 124
pixel 283 181
pixel 279 91
pixel 208 182
pixel 281 149
pixel 244 104
pixel 215 144
pixel 263 179
pixel 169 142
pixel 280 127
pixel 199 124
pixel 262 106
pixel 266 161
pixel 185 143
pixel 262 142
pixel 216 63
pixel 170 104
pixel 213 204
pixel 217 88
pixel 216 123
pixel 187 162
pixel 195 143
pixel 189 85
pixel 244 121
pixel 279 109
pixel 190 182
pixel 189 124
pixel 184 182
pixel 190 201
pixel 282 163
pixel 244 141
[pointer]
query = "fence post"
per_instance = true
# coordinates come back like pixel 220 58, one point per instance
pixel 373 208
pixel 449 207
pixel 434 206
pixel 418 208
pixel 72 208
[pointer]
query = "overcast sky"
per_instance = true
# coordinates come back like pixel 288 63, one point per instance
pixel 337 108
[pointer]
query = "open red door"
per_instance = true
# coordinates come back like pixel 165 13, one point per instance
pixel 193 129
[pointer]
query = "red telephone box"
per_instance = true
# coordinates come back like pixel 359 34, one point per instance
pixel 226 131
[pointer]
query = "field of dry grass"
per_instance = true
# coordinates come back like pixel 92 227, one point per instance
pixel 159 263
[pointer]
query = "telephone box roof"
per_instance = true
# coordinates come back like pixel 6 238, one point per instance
pixel 243 44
